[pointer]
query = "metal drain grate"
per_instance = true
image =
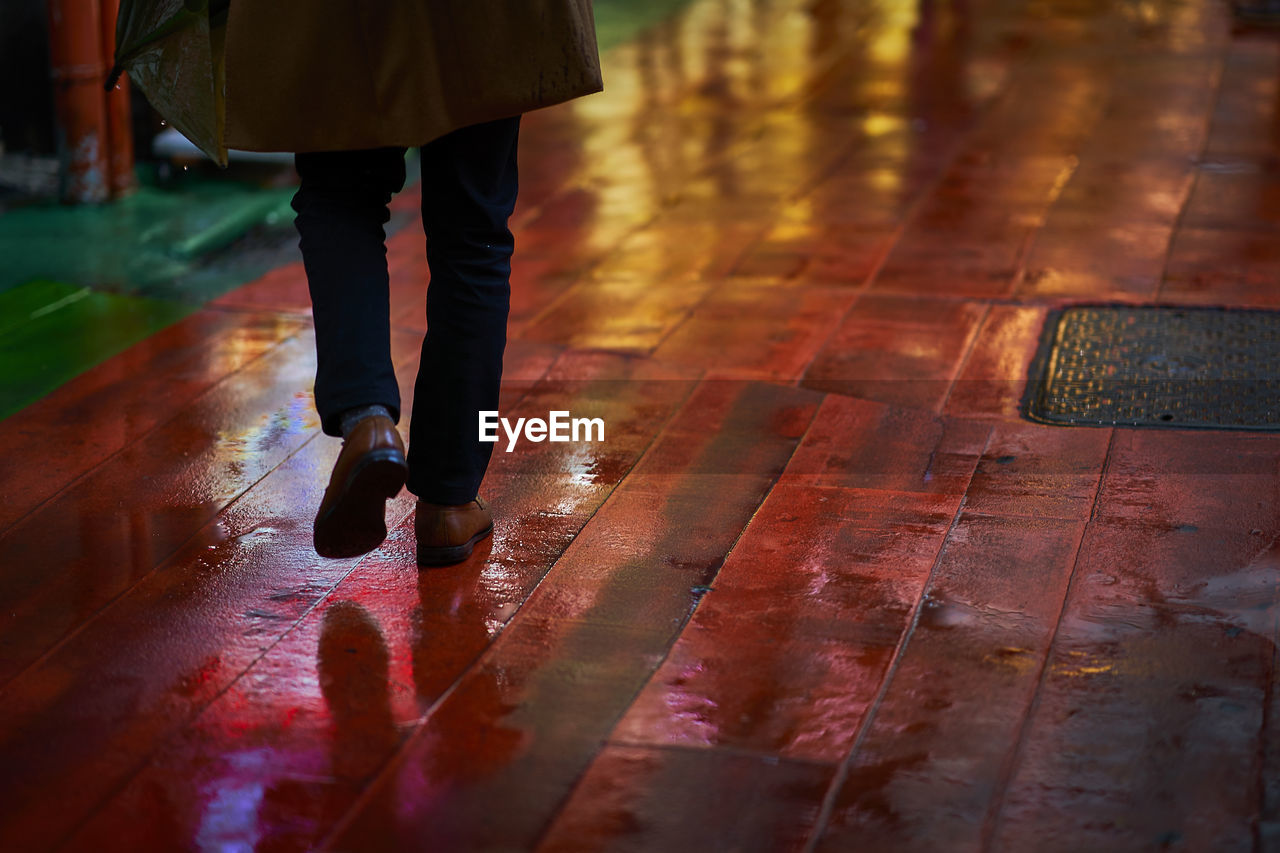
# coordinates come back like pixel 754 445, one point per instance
pixel 1160 367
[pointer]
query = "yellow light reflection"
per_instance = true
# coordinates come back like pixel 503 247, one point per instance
pixel 885 180
pixel 796 222
pixel 892 43
pixel 880 124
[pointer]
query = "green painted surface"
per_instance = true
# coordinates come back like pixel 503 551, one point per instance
pixel 619 21
pixel 51 332
pixel 138 264
pixel 80 284
pixel 141 244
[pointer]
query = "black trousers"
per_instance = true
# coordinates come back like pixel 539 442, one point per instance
pixel 469 186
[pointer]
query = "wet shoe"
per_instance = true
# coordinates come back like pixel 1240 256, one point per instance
pixel 370 470
pixel 447 534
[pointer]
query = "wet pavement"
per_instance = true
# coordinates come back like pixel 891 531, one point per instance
pixel 821 587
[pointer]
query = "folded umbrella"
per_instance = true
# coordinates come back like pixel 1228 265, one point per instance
pixel 174 51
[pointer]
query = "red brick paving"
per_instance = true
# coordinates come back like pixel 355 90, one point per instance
pixel 821 587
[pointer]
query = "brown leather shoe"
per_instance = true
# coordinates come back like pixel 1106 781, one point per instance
pixel 370 469
pixel 447 534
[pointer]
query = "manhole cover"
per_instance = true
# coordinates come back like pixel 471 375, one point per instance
pixel 1160 367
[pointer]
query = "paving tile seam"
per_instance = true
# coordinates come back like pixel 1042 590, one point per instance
pixel 673 636
pixel 1032 300
pixel 53 400
pixel 1045 206
pixel 948 159
pixel 1217 54
pixel 549 823
pixel 1027 245
pixel 158 425
pixel 970 345
pixel 908 406
pixel 1029 240
pixel 693 309
pixel 1267 812
pixel 748 140
pixel 415 732
pixel 1107 462
pixel 826 79
pixel 1080 144
pixel 112 602
pixel 672 639
pixel 806 189
pixel 988 418
pixel 233 308
pixel 1220 62
pixel 722 749
pixel 584 275
pixel 524 216
pixel 828 806
pixel 995 807
pixel 1028 516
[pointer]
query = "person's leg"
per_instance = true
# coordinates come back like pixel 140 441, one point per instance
pixel 342 207
pixel 468 192
pixel 469 188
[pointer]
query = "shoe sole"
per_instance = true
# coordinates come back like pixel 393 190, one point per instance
pixel 447 555
pixel 357 521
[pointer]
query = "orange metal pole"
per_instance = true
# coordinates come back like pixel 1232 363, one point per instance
pixel 119 116
pixel 75 52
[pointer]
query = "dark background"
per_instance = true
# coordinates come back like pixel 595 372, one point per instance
pixel 26 91
pixel 26 106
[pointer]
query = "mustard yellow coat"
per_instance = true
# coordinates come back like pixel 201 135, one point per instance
pixel 323 75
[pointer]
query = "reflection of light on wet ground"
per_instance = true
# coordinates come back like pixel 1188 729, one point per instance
pixel 693 713
pixel 1015 658
pixel 1082 664
pixel 231 804
pixel 294 419
pixel 796 221
pixel 581 465
pixel 892 43
pixel 880 124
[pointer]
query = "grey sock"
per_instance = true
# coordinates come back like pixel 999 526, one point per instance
pixel 351 417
